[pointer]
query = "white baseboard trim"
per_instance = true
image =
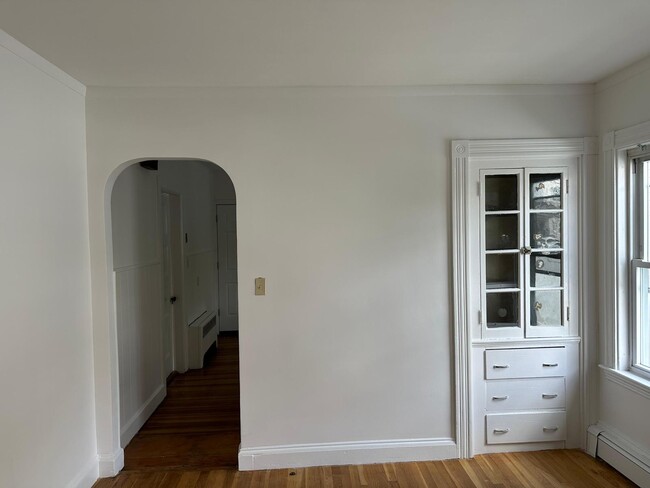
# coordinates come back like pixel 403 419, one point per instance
pixel 622 453
pixel 332 454
pixel 87 476
pixel 136 422
pixel 111 464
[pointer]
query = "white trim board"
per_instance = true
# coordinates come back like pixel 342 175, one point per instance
pixel 136 422
pixel 40 63
pixel 336 454
pixel 110 465
pixel 87 476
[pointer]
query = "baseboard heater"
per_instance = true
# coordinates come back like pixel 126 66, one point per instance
pixel 202 334
pixel 620 453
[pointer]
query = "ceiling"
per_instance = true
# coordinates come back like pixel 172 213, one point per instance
pixel 332 42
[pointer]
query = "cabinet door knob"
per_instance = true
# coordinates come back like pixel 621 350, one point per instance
pixel 550 429
pixel 549 365
pixel 549 395
pixel 501 366
pixel 501 431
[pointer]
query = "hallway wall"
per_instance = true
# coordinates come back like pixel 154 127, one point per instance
pixel 47 410
pixel 343 204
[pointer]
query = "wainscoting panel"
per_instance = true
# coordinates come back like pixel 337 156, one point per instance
pixel 139 336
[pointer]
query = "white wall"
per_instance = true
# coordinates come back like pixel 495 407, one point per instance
pixel 138 289
pixel 47 411
pixel 343 205
pixel 623 100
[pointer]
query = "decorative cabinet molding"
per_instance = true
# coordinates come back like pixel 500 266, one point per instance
pixel 519 218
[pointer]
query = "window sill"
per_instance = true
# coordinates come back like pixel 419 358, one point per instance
pixel 630 381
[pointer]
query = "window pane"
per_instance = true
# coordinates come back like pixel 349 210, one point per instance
pixel 546 230
pixel 502 310
pixel 643 327
pixel 502 270
pixel 546 191
pixel 546 269
pixel 501 192
pixel 501 232
pixel 546 308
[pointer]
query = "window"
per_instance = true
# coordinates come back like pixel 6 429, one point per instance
pixel 640 263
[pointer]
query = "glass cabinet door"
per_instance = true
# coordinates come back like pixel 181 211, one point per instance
pixel 523 243
pixel 546 246
pixel 502 236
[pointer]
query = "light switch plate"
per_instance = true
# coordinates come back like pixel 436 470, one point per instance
pixel 260 286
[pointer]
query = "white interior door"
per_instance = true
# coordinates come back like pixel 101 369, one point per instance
pixel 174 337
pixel 227 267
pixel 167 307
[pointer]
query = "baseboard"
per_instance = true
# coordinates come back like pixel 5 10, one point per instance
pixel 622 453
pixel 331 454
pixel 110 465
pixel 136 422
pixel 87 476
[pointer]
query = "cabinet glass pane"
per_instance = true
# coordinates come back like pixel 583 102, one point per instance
pixel 546 230
pixel 545 191
pixel 502 271
pixel 501 192
pixel 503 310
pixel 501 232
pixel 546 269
pixel 546 308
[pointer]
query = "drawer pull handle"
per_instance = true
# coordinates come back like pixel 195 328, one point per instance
pixel 504 397
pixel 501 366
pixel 549 395
pixel 501 431
pixel 549 365
pixel 550 429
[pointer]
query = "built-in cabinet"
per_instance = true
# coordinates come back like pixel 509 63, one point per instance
pixel 522 303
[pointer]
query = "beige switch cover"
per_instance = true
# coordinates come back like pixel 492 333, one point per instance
pixel 260 286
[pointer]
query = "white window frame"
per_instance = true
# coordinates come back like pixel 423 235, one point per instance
pixel 639 252
pixel 616 252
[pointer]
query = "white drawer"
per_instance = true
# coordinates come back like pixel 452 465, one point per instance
pixel 524 363
pixel 512 428
pixel 526 394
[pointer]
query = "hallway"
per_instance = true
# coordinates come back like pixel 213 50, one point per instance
pixel 197 425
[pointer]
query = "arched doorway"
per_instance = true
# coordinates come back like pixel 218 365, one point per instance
pixel 166 252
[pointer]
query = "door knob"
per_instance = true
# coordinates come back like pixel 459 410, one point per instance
pixel 172 300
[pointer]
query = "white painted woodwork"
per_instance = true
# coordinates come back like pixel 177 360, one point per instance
pixel 139 336
pixel 514 428
pixel 202 333
pixel 47 410
pixel 227 249
pixel 525 394
pixel 514 365
pixel 525 363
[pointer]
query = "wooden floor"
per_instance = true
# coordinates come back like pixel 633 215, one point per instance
pixel 531 470
pixel 197 425
pixel 191 441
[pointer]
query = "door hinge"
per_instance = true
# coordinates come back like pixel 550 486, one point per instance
pixel 478 188
pixel 480 317
pixel 218 312
pixel 567 186
pixel 568 314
